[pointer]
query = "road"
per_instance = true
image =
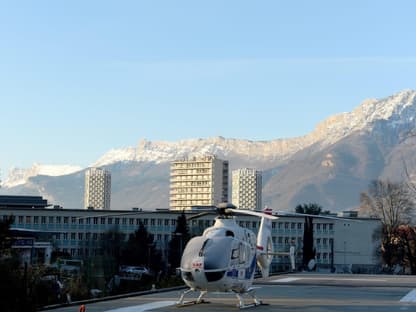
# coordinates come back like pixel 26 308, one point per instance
pixel 292 292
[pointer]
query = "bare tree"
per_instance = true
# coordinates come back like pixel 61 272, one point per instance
pixel 408 172
pixel 391 202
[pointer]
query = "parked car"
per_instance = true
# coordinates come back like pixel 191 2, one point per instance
pixel 136 270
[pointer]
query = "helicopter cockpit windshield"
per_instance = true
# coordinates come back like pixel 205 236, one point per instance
pixel 214 251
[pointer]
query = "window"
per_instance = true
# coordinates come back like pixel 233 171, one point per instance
pixel 80 236
pixel 102 220
pixel 58 220
pixel 66 220
pixel 43 220
pixel 235 253
pixel 35 219
pixel 20 219
pixel 80 221
pixel 73 220
pixel 95 220
pixel 50 220
pixel 116 220
pixel 65 236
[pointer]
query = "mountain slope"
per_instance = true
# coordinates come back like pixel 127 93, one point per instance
pixel 330 166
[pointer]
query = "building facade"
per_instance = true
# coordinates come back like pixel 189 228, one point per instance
pixel 97 189
pixel 246 189
pixel 16 201
pixel 340 244
pixel 198 181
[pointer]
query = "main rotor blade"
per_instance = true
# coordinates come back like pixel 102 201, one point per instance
pixel 201 214
pixel 296 214
pixel 253 213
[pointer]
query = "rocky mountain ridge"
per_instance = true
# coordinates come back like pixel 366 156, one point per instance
pixel 364 138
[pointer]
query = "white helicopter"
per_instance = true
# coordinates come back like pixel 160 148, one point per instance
pixel 224 258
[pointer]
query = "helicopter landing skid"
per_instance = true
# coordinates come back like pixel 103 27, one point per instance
pixel 252 294
pixel 182 303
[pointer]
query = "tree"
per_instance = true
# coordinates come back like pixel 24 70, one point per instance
pixel 308 251
pixel 141 250
pixel 6 238
pixel 393 204
pixel 111 245
pixel 405 238
pixel 389 201
pixel 179 239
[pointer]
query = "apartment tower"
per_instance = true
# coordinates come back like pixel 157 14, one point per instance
pixel 97 189
pixel 246 189
pixel 198 181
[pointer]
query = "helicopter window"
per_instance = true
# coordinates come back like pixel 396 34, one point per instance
pixel 235 254
pixel 229 233
pixel 201 252
pixel 243 253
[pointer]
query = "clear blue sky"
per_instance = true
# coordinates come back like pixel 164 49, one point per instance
pixel 78 78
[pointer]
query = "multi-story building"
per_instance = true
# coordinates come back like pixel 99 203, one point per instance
pixel 246 189
pixel 16 201
pixel 339 243
pixel 97 189
pixel 197 181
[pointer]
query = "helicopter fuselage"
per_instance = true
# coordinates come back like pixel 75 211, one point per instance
pixel 222 259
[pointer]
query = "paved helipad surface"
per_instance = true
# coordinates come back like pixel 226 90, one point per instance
pixel 292 292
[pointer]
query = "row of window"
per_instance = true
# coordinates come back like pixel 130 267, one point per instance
pixel 191 165
pixel 88 236
pixel 299 226
pixel 92 220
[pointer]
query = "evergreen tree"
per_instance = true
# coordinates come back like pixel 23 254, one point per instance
pixel 178 242
pixel 141 250
pixel 111 245
pixel 308 252
pixel 6 238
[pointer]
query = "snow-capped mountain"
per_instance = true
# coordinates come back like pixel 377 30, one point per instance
pixel 18 176
pixel 398 109
pixel 329 165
